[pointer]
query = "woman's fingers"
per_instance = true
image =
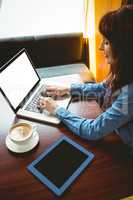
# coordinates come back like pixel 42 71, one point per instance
pixel 42 103
pixel 48 103
pixel 53 91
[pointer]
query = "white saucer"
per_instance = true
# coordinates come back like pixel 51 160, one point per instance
pixel 22 147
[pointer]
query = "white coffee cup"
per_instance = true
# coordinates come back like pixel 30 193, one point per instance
pixel 21 132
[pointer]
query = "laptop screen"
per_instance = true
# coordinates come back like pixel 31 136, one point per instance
pixel 18 78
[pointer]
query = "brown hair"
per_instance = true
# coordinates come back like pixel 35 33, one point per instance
pixel 117 27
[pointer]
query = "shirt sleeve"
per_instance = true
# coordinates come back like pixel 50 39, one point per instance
pixel 93 90
pixel 92 129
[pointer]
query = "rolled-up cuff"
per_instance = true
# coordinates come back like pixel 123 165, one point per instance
pixel 61 112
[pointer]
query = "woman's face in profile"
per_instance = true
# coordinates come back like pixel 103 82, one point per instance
pixel 106 48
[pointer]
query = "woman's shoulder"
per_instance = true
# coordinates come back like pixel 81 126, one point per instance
pixel 125 92
pixel 127 89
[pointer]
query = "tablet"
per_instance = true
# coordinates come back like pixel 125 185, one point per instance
pixel 60 164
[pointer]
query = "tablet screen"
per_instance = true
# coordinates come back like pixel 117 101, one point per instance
pixel 60 164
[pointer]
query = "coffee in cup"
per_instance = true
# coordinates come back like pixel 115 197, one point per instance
pixel 21 132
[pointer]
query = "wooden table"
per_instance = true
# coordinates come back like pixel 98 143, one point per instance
pixel 108 177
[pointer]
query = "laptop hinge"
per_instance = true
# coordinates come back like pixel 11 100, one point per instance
pixel 27 96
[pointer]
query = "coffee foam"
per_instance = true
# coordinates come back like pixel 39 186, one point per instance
pixel 20 132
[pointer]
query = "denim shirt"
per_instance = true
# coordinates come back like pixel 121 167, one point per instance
pixel 118 117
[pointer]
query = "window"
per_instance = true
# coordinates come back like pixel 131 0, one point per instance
pixel 40 17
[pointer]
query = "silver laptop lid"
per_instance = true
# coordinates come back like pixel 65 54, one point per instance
pixel 18 78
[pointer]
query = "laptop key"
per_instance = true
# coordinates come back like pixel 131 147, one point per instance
pixel 33 105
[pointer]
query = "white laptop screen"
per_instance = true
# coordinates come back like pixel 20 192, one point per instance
pixel 17 79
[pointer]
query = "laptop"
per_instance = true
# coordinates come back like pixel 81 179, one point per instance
pixel 22 87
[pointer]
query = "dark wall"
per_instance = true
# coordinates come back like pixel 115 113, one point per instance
pixel 125 2
pixel 46 50
pixel 129 1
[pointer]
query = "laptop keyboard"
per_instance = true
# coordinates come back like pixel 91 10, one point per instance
pixel 33 105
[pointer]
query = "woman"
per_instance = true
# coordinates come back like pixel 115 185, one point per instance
pixel 116 28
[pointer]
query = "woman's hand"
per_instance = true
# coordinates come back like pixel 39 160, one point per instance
pixel 48 103
pixel 56 90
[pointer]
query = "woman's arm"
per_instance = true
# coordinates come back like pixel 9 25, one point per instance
pixel 90 90
pixel 93 90
pixel 92 129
